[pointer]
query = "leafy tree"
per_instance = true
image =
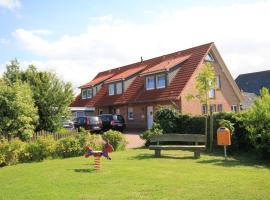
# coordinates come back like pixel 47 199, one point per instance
pixel 51 95
pixel 204 82
pixel 257 122
pixel 17 110
pixel 12 73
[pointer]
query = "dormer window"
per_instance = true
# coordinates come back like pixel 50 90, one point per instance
pixel 150 82
pixel 84 94
pixel 209 57
pixel 160 81
pixel 111 89
pixel 119 88
pixel 89 93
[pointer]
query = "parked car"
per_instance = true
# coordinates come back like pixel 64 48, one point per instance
pixel 115 122
pixel 68 124
pixel 91 123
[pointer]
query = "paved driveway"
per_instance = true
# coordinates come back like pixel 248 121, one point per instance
pixel 134 140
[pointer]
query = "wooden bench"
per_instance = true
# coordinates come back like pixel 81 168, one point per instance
pixel 194 138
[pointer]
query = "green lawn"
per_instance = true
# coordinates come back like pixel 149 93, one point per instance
pixel 136 174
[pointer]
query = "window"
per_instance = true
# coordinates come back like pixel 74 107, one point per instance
pixel 212 93
pixel 150 82
pixel 213 108
pixel 204 109
pixel 111 89
pixel 130 113
pixel 209 57
pixel 119 88
pixel 89 93
pixel 84 94
pixel 219 107
pixel 218 83
pixel 234 108
pixel 160 81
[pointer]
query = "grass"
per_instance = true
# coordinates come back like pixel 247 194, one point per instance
pixel 136 174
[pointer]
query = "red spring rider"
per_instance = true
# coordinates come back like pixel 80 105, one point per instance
pixel 108 148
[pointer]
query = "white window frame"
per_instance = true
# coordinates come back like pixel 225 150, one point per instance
pixel 119 91
pixel 111 88
pixel 157 83
pixel 89 93
pixel 84 94
pixel 219 106
pixel 218 82
pixel 204 109
pixel 146 85
pixel 234 108
pixel 212 95
pixel 209 57
pixel 130 113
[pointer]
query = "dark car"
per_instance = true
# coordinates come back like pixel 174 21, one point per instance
pixel 91 123
pixel 115 122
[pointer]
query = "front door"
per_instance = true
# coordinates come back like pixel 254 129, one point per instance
pixel 150 117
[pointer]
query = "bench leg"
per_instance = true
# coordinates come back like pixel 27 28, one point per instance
pixel 157 152
pixel 197 154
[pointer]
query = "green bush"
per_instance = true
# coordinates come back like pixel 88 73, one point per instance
pixel 92 140
pixel 155 130
pixel 10 152
pixel 116 139
pixel 68 147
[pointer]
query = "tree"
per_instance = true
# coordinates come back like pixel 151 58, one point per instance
pixel 18 113
pixel 257 122
pixel 204 82
pixel 12 73
pixel 51 95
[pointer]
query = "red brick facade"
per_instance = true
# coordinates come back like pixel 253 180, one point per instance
pixel 180 69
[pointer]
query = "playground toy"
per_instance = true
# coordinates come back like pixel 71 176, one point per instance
pixel 108 148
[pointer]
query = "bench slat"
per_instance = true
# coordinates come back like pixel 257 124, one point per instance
pixel 179 138
pixel 177 147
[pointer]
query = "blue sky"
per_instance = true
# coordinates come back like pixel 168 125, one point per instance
pixel 79 38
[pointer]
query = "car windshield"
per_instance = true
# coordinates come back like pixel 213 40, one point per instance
pixel 94 119
pixel 81 120
pixel 106 118
pixel 118 118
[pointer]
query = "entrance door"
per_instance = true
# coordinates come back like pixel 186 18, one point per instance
pixel 150 117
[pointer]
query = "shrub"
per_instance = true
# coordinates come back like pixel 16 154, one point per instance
pixel 10 152
pixel 68 147
pixel 116 139
pixel 92 140
pixel 155 130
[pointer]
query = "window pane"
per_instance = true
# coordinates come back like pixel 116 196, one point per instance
pixel 130 113
pixel 84 94
pixel 89 93
pixel 119 88
pixel 150 82
pixel 161 81
pixel 111 89
pixel 218 84
pixel 212 93
pixel 219 107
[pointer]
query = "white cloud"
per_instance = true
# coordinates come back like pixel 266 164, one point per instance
pixel 10 4
pixel 240 32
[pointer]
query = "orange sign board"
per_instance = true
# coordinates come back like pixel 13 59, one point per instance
pixel 223 136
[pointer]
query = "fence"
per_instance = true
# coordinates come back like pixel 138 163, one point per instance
pixel 56 135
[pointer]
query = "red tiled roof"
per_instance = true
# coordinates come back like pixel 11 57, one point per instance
pixel 166 65
pixel 127 73
pixel 97 80
pixel 135 93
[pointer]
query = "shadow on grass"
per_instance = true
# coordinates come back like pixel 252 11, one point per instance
pixel 234 161
pixel 152 156
pixel 84 170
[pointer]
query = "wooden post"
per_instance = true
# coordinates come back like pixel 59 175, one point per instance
pixel 225 152
pixel 211 131
pixel 157 152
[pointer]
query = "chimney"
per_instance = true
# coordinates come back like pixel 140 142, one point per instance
pixel 141 59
